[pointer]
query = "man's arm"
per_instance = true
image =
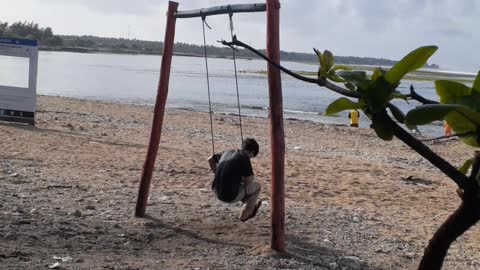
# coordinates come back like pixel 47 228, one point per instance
pixel 212 163
pixel 248 175
pixel 248 179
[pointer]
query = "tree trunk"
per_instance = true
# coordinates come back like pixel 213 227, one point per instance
pixel 467 215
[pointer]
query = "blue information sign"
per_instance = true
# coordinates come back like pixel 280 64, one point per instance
pixel 17 104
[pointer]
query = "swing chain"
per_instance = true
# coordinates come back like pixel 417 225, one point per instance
pixel 208 81
pixel 230 15
pixel 236 76
pixel 204 19
pixel 234 37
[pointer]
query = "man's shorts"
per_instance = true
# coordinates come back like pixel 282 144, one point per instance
pixel 245 192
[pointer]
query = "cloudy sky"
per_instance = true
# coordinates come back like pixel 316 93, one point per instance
pixel 368 28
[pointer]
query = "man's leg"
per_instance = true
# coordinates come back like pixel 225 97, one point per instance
pixel 251 195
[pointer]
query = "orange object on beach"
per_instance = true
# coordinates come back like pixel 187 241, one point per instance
pixel 447 130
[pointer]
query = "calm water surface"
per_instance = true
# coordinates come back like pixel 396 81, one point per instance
pixel 134 79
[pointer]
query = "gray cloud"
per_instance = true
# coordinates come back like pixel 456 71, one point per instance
pixel 451 33
pixel 469 8
pixel 377 28
pixel 136 7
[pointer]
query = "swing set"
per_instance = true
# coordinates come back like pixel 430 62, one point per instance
pixel 204 23
pixel 277 138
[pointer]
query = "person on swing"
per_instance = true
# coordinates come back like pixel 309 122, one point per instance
pixel 234 179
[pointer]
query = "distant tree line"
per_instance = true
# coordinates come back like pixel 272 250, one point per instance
pixel 30 30
pixel 155 47
pixel 49 41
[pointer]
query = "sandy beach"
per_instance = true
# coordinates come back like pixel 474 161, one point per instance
pixel 68 188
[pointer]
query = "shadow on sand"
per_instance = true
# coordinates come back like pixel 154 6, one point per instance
pixel 297 249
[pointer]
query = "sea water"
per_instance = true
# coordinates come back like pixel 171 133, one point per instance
pixel 134 79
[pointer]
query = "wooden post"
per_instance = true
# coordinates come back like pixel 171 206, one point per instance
pixel 159 111
pixel 277 139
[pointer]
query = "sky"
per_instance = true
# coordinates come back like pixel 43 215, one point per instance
pixel 366 28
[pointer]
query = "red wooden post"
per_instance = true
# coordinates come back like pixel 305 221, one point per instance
pixel 159 111
pixel 277 139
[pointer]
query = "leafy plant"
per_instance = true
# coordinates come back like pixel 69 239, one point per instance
pixel 326 69
pixel 377 91
pixel 460 107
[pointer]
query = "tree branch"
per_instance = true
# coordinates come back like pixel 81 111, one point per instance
pixel 474 178
pixel 320 82
pixel 466 216
pixel 459 135
pixel 414 95
pixel 459 178
pixel 475 166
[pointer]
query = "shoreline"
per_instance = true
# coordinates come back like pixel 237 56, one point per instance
pixel 288 115
pixel 131 52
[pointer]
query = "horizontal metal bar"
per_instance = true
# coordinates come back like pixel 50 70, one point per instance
pixel 242 8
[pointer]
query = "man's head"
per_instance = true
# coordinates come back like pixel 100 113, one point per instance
pixel 251 146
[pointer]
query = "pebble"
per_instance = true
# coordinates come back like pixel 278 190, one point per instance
pixel 55 266
pixel 349 262
pixel 77 213
pixel 63 259
pixel 333 265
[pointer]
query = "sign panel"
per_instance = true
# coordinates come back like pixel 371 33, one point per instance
pixel 17 102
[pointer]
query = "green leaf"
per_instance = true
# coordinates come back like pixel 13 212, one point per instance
pixel 334 77
pixel 340 67
pixel 449 91
pixel 466 166
pixel 319 55
pixel 476 83
pixel 397 113
pixel 350 86
pixel 327 62
pixel 427 113
pixel 377 94
pixel 464 122
pixel 471 140
pixel 433 112
pixel 382 126
pixel 377 73
pixel 355 77
pixel 472 101
pixel 414 60
pixel 412 127
pixel 343 104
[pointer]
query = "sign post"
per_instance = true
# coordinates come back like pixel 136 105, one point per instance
pixel 17 104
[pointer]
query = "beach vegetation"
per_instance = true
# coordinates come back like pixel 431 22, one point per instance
pixel 94 44
pixel 373 93
pixel 459 106
pixel 30 30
